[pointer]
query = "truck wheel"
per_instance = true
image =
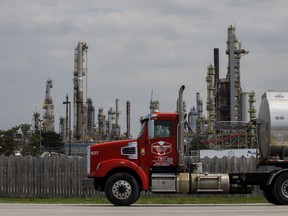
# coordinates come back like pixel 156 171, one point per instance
pixel 122 189
pixel 270 197
pixel 280 189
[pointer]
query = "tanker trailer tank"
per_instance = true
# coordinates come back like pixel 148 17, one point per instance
pixel 273 128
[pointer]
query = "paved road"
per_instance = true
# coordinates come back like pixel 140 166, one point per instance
pixel 141 210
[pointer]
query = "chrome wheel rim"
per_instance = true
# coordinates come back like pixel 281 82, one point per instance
pixel 121 189
pixel 284 188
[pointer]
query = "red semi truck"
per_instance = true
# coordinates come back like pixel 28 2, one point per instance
pixel 157 160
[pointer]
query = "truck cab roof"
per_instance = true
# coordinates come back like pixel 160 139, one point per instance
pixel 159 114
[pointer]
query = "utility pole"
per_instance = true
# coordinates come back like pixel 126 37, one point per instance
pixel 68 122
pixel 40 144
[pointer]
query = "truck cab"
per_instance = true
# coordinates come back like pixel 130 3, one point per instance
pixel 155 150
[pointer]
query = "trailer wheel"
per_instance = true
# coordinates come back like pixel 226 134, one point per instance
pixel 122 189
pixel 280 189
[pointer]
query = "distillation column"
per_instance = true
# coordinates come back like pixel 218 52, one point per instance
pixel 234 52
pixel 111 117
pixel 199 109
pixel 90 122
pixel 117 126
pixel 36 118
pixel 101 124
pixel 79 72
pixel 210 104
pixel 48 118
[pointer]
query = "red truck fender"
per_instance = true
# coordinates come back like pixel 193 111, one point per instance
pixel 105 167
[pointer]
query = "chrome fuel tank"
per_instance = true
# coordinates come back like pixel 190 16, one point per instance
pixel 273 129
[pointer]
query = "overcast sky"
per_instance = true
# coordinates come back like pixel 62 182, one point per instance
pixel 134 46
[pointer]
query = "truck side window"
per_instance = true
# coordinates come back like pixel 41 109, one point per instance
pixel 163 128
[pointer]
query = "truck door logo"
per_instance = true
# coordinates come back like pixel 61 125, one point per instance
pixel 161 148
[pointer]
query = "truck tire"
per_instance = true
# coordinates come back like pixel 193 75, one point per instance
pixel 270 197
pixel 122 189
pixel 280 189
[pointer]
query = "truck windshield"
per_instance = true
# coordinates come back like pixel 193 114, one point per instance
pixel 143 125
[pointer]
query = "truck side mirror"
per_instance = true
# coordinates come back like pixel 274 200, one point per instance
pixel 151 129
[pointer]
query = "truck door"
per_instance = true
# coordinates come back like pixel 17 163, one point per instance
pixel 161 150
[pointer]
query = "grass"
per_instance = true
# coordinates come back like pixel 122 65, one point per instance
pixel 202 200
pixel 155 200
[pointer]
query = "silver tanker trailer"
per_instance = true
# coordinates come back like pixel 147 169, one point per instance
pixel 273 127
pixel 272 124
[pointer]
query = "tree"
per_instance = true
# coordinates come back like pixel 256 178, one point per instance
pixel 8 143
pixel 34 146
pixel 52 142
pixel 25 129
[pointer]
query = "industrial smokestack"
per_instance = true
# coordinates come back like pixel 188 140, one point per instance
pixel 216 80
pixel 199 105
pixel 180 140
pixel 128 119
pixel 216 63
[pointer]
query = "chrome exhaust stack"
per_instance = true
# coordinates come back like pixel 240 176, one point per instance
pixel 180 128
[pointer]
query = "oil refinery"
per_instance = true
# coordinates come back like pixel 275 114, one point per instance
pixel 229 109
pixel 227 123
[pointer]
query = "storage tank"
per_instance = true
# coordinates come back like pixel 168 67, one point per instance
pixel 273 129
